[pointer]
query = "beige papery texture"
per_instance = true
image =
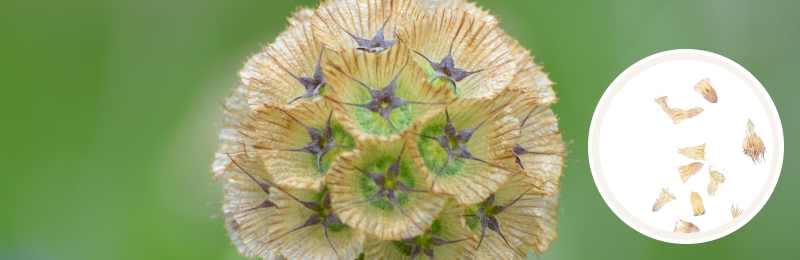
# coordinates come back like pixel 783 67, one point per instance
pixel 377 128
pixel 682 226
pixel 689 170
pixel 752 145
pixel 704 88
pixel 696 152
pixel 697 204
pixel 662 200
pixel 716 178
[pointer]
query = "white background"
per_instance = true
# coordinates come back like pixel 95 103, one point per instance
pixel 639 143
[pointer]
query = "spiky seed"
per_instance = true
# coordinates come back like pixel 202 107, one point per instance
pixel 377 44
pixel 697 204
pixel 665 197
pixel 689 170
pixel 321 143
pixel 682 226
pixel 267 203
pixel 446 69
pixel 316 218
pixel 385 191
pixel 461 137
pixel 704 88
pixel 383 101
pixel 490 221
pixel 311 84
pixel 752 145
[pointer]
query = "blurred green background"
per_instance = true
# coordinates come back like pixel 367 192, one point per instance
pixel 109 112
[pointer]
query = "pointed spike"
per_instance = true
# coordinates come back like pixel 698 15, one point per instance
pixel 312 220
pixel 415 251
pixel 264 186
pixel 318 69
pixel 449 129
pixel 273 184
pixel 429 253
pixel 394 169
pixel 325 231
pixel 391 88
pixel 404 188
pixel 426 58
pixel 281 66
pixel 327 131
pixel 449 158
pixel 500 209
pixel 392 197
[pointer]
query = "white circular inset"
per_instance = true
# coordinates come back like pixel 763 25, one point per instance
pixel 634 143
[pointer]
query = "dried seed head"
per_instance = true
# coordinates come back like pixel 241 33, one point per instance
pixel 697 152
pixel 704 88
pixel 697 204
pixel 682 226
pixel 346 134
pixel 752 144
pixel 735 211
pixel 665 197
pixel 689 170
pixel 716 178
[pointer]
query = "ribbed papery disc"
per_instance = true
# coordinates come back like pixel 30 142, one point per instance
pixel 297 50
pixel 540 136
pixel 276 132
pixel 349 187
pixel 362 18
pixel 233 137
pixel 308 242
pixel 377 71
pixel 449 226
pixel 548 221
pixel 529 75
pixel 527 224
pixel 476 45
pixel 241 194
pixel 470 181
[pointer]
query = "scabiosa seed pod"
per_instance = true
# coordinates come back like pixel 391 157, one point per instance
pixel 391 129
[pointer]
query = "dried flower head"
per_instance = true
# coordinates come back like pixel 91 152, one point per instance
pixel 697 204
pixel 665 197
pixel 682 226
pixel 689 170
pixel 697 152
pixel 735 211
pixel 752 144
pixel 391 129
pixel 704 88
pixel 716 178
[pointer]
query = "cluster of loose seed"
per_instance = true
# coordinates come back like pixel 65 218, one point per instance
pixel 391 129
pixel 752 146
